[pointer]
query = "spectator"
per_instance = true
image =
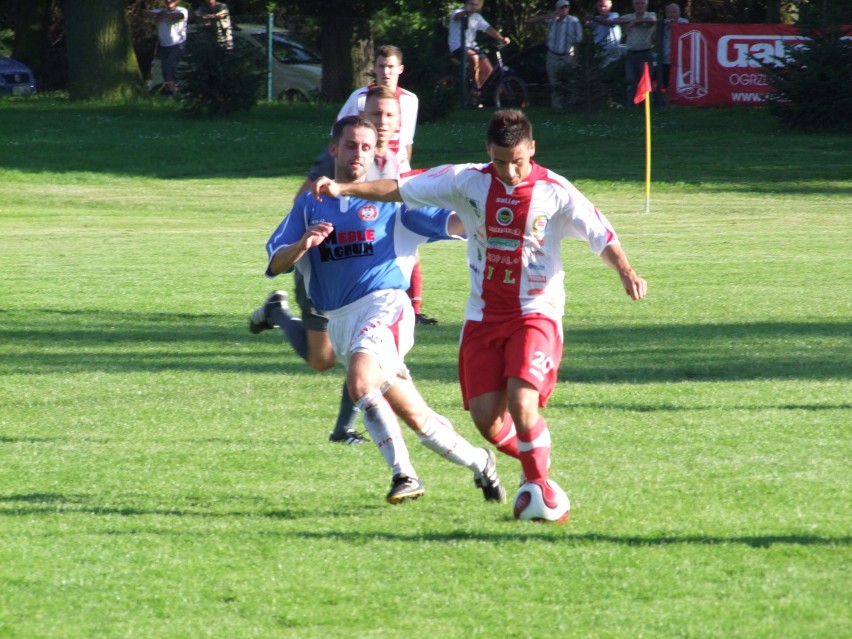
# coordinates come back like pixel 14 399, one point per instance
pixel 171 40
pixel 563 33
pixel 640 31
pixel 371 322
pixel 216 19
pixel 606 34
pixel 665 40
pixel 466 45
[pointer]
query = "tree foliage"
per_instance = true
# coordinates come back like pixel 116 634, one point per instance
pixel 812 89
pixel 218 82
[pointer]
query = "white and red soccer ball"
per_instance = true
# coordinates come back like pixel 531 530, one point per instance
pixel 532 503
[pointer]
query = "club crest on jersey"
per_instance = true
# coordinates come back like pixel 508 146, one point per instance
pixel 504 216
pixel 368 213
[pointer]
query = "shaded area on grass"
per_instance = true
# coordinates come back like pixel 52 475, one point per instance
pixel 56 503
pixel 95 341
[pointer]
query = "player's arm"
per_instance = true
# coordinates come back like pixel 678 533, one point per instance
pixel 376 190
pixel 285 257
pixel 615 257
pixel 455 226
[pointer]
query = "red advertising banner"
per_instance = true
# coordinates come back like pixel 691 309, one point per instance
pixel 719 64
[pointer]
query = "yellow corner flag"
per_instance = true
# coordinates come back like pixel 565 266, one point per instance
pixel 643 92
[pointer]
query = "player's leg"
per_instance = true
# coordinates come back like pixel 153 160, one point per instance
pixel 533 352
pixel 364 380
pixel 483 384
pixel 415 294
pixel 438 435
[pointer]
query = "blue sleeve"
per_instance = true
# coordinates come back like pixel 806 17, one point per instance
pixel 428 221
pixel 291 228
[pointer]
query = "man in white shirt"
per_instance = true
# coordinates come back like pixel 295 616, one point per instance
pixel 171 34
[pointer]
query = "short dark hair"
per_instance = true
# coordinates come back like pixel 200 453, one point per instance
pixel 509 127
pixel 380 92
pixel 355 121
pixel 388 51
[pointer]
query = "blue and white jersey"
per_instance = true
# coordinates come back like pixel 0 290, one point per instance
pixel 373 246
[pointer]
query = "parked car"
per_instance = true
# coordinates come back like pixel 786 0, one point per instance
pixel 16 78
pixel 296 66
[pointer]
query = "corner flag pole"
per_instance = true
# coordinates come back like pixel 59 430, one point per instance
pixel 647 148
pixel 643 92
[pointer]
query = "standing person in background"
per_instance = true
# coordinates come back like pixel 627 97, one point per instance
pixel 665 40
pixel 563 33
pixel 171 40
pixel 465 43
pixel 516 214
pixel 387 68
pixel 606 34
pixel 356 256
pixel 216 19
pixel 640 27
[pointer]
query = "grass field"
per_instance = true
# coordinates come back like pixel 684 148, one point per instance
pixel 165 474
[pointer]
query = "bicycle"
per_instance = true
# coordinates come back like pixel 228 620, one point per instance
pixel 503 88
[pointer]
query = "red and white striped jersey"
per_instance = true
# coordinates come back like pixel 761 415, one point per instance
pixel 514 234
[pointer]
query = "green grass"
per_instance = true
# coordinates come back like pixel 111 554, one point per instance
pixel 163 473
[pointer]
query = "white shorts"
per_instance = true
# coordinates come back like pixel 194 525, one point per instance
pixel 380 324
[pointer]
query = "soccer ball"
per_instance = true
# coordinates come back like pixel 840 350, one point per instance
pixel 530 504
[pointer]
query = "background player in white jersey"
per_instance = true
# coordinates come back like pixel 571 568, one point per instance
pixel 357 257
pixel 515 213
pixel 387 68
pixel 308 334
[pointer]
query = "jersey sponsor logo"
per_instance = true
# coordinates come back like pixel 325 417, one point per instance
pixel 504 216
pixel 535 266
pixel 539 224
pixel 368 213
pixel 540 279
pixel 504 231
pixel 535 291
pixel 502 244
pixel 507 200
pixel 332 253
pixel 349 237
pixel 509 260
pixel 342 244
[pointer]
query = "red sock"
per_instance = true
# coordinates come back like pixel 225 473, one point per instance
pixel 506 440
pixel 534 453
pixel 415 291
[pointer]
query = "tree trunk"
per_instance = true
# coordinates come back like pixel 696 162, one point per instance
pixel 347 52
pixel 101 62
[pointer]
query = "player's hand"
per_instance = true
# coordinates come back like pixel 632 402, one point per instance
pixel 635 286
pixel 316 234
pixel 325 186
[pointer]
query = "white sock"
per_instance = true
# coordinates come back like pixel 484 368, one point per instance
pixel 383 426
pixel 439 436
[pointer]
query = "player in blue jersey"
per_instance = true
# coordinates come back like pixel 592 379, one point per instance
pixel 308 334
pixel 356 257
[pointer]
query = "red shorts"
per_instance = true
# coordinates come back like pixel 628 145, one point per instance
pixel 528 347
